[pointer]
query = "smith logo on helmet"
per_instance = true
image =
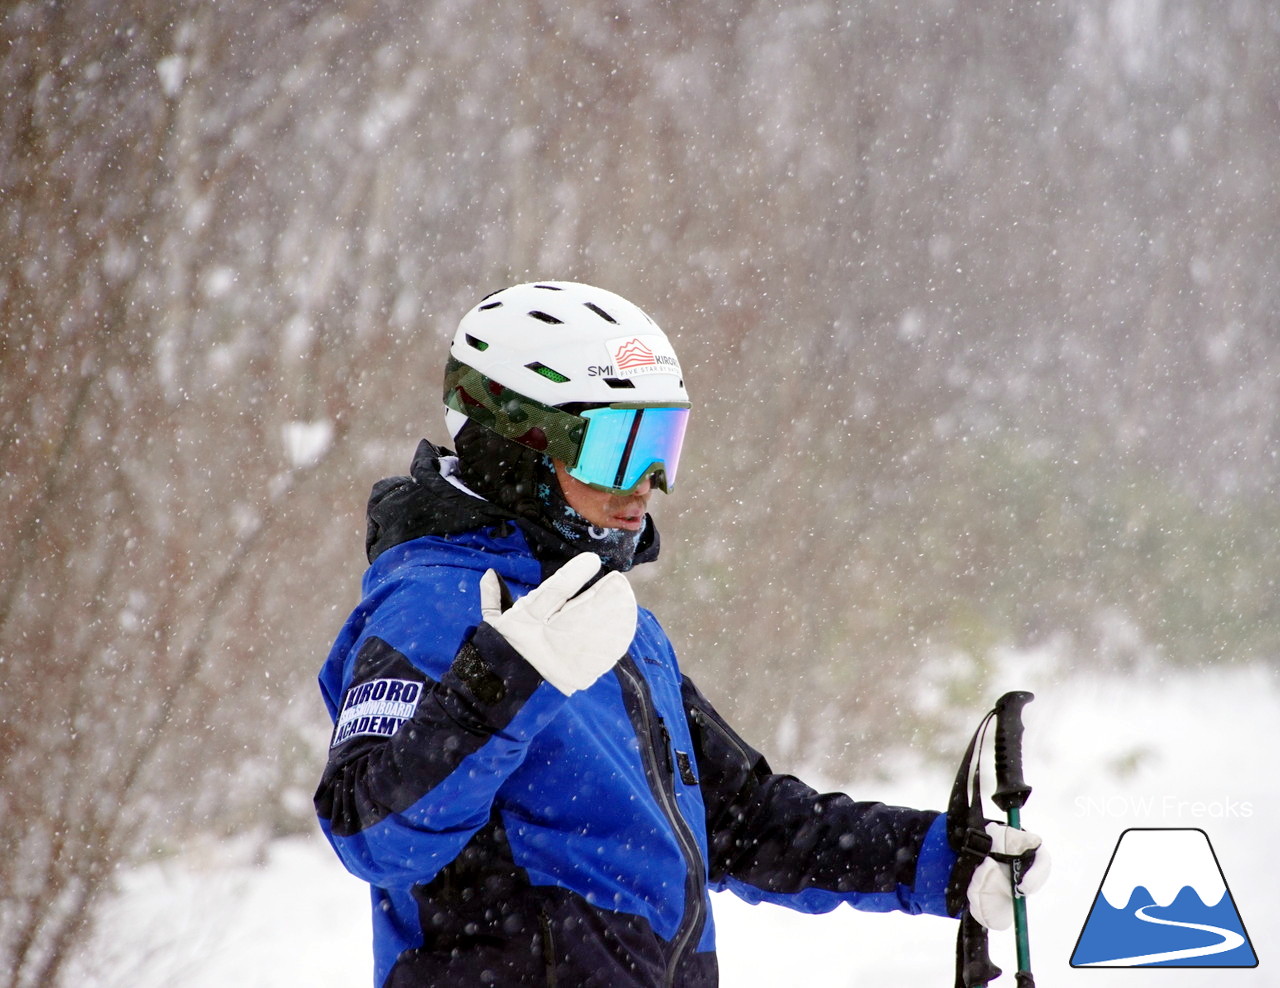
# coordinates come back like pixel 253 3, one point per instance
pixel 634 356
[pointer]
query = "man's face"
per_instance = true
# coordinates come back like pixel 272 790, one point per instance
pixel 602 509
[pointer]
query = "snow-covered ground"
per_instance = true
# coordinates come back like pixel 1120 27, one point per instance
pixel 1104 753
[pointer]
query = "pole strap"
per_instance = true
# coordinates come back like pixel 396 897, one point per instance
pixel 967 835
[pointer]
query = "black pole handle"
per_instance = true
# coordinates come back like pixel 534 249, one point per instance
pixel 1011 791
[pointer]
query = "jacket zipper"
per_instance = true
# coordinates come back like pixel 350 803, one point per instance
pixel 548 948
pixel 707 721
pixel 664 786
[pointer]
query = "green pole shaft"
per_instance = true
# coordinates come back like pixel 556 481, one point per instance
pixel 1020 906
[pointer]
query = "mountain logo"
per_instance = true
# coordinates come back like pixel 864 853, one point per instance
pixel 1163 902
pixel 633 356
pixel 633 353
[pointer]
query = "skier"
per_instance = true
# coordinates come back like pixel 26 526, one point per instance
pixel 518 768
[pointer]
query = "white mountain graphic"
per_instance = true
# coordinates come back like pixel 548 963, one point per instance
pixel 1164 862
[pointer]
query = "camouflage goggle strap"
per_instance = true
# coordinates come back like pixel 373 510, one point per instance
pixel 513 416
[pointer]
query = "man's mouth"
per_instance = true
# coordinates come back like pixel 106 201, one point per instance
pixel 632 519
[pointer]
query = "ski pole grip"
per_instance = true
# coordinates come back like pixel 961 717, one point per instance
pixel 1011 791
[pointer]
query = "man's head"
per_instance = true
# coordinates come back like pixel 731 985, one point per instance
pixel 570 374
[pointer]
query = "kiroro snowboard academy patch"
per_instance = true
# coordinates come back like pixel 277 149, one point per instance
pixel 1163 902
pixel 377 707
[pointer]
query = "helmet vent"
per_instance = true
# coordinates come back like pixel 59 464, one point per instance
pixel 619 382
pixel 478 344
pixel 600 312
pixel 550 288
pixel 546 317
pixel 551 375
pixel 490 305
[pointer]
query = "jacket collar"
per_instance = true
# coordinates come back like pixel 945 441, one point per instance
pixel 426 502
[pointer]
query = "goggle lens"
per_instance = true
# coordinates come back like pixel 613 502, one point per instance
pixel 624 445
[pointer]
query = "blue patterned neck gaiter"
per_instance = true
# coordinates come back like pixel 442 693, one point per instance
pixel 616 546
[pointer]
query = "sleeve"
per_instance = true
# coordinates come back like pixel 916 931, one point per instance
pixel 772 838
pixel 416 762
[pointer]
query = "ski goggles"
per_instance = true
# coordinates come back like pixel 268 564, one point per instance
pixel 624 445
pixel 609 447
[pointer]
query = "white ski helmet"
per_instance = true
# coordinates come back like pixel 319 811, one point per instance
pixel 577 373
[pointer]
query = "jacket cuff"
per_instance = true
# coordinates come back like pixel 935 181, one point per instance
pixel 933 869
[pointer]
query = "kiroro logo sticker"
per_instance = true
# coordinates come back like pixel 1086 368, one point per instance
pixel 633 356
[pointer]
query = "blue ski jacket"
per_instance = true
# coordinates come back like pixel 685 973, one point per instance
pixel 515 836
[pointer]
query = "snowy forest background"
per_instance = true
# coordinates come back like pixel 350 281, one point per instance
pixel 978 304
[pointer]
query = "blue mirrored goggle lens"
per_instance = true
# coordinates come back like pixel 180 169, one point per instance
pixel 624 445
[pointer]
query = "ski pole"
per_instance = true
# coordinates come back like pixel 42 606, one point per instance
pixel 1010 795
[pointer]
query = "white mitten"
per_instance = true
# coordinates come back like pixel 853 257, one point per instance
pixel 571 640
pixel 991 888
